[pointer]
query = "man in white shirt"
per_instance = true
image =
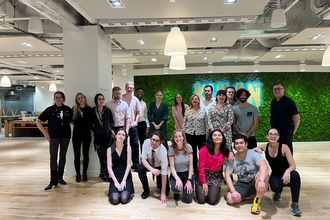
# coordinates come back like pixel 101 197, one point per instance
pixel 208 101
pixel 154 159
pixel 134 115
pixel 143 125
pixel 119 109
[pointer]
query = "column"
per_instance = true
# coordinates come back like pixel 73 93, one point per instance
pixel 87 69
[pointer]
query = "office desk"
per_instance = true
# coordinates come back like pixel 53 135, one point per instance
pixel 21 128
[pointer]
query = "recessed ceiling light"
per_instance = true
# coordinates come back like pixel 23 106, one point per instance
pixel 317 37
pixel 35 77
pixel 116 3
pixel 172 1
pixel 21 61
pixel 213 40
pixel 231 1
pixel 153 59
pixel 205 58
pixel 141 42
pixel 24 44
pixel 278 56
pixel 56 71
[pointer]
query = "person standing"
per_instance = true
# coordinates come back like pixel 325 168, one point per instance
pixel 284 115
pixel 119 157
pixel 59 117
pixel 246 118
pixel 82 124
pixel 252 174
pixel 195 127
pixel 102 127
pixel 134 115
pixel 221 116
pixel 181 164
pixel 208 101
pixel 178 110
pixel 283 168
pixel 143 124
pixel 154 159
pixel 158 116
pixel 231 96
pixel 119 109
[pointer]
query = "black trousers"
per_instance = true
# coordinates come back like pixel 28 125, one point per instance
pixel 276 184
pixel 286 137
pixel 141 129
pixel 142 171
pixel 196 141
pixel 77 142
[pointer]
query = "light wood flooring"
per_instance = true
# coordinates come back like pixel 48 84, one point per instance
pixel 24 166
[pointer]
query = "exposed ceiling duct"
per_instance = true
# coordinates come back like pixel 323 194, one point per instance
pixel 56 11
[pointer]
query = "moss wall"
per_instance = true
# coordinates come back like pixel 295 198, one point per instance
pixel 310 91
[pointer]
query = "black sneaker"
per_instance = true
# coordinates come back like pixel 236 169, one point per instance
pixel 277 196
pixel 84 178
pixel 295 209
pixel 177 197
pixel 78 178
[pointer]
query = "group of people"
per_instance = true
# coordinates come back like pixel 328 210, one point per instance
pixel 200 145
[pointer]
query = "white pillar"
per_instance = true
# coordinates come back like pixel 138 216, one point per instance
pixel 87 69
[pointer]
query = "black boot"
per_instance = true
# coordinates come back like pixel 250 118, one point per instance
pixel 53 179
pixel 60 175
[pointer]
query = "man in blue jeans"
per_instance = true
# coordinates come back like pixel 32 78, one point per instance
pixel 134 115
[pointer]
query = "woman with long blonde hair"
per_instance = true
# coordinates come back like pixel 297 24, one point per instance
pixel 82 123
pixel 180 155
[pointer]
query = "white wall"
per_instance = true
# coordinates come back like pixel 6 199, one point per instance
pixel 45 98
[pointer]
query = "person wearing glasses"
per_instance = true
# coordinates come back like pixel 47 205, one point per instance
pixel 284 115
pixel 102 128
pixel 59 117
pixel 283 167
pixel 154 159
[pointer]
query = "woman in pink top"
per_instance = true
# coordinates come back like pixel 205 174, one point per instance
pixel 211 158
pixel 178 111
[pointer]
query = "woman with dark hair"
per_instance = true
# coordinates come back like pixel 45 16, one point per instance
pixel 102 122
pixel 181 163
pixel 195 126
pixel 158 116
pixel 119 157
pixel 211 158
pixel 283 167
pixel 82 124
pixel 221 116
pixel 59 117
pixel 178 110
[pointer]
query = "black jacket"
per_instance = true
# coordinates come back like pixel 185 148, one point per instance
pixel 102 133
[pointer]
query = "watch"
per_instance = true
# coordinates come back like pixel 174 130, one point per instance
pixel 189 179
pixel 261 180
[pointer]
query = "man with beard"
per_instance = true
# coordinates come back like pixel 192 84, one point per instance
pixel 246 118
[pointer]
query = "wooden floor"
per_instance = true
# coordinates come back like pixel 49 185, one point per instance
pixel 24 166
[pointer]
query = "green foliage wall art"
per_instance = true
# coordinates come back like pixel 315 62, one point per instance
pixel 310 91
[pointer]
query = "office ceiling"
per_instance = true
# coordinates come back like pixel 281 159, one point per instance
pixel 243 29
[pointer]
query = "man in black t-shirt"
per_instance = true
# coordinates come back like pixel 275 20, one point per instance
pixel 284 115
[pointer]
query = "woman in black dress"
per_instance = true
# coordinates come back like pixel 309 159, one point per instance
pixel 119 158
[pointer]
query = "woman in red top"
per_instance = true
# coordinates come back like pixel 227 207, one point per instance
pixel 211 158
